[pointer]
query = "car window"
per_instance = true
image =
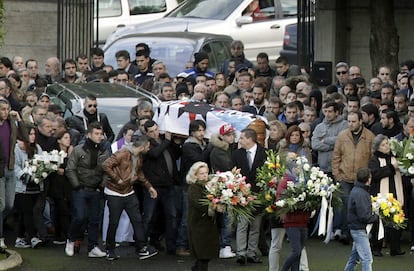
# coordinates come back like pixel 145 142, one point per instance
pixel 109 8
pixel 221 53
pixel 146 6
pixel 289 8
pixel 208 9
pixel 174 52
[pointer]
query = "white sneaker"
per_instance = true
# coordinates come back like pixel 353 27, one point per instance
pixel 2 244
pixel 35 242
pixel 226 253
pixel 337 234
pixel 96 252
pixel 21 243
pixel 70 248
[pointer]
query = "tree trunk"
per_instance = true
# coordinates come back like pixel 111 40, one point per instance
pixel 384 39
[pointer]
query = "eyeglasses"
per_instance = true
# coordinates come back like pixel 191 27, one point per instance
pixel 384 74
pixel 92 105
pixel 305 131
pixel 341 72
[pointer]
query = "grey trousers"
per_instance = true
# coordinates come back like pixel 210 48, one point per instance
pixel 247 236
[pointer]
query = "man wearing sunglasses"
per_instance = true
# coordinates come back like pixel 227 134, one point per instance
pixel 342 75
pixel 88 115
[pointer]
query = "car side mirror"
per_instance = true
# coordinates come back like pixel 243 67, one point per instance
pixel 244 20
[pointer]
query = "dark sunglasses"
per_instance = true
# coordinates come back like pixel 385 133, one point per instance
pixel 92 105
pixel 341 72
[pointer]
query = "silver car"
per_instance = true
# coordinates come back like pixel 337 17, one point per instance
pixel 228 18
pixel 114 100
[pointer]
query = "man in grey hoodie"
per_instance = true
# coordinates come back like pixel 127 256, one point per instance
pixel 324 135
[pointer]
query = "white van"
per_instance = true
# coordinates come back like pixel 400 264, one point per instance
pixel 120 13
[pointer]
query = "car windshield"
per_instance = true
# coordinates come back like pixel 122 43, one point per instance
pixel 174 52
pixel 206 9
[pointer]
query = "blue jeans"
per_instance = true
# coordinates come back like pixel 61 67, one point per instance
pixel 182 238
pixel 166 196
pixel 225 231
pixel 360 250
pixel 131 206
pixel 7 191
pixel 86 208
pixel 297 237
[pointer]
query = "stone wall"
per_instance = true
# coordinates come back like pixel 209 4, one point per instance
pixel 30 29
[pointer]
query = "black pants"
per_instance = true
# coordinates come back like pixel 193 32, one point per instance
pixel 30 211
pixel 131 206
pixel 200 265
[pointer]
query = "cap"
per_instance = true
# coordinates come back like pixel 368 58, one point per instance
pixel 44 94
pixel 242 68
pixel 226 128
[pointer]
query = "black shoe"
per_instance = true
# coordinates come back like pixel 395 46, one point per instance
pixel 397 253
pixel 147 252
pixel 344 239
pixel 111 255
pixel 254 259
pixel 377 253
pixel 241 260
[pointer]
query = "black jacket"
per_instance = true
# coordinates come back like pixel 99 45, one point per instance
pixel 360 208
pixel 192 152
pixel 240 161
pixel 155 165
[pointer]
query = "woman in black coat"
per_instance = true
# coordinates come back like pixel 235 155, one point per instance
pixel 386 178
pixel 203 232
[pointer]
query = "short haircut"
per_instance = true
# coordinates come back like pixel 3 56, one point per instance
pixel 45 118
pixel 353 99
pixel 191 175
pixel 370 109
pixel 143 45
pixel 334 105
pixel 68 60
pixel 142 53
pixel 250 133
pixel 97 52
pixel 94 125
pixel 7 82
pixel 263 56
pixel 291 105
pixel 342 65
pixel 282 60
pixel 363 175
pixel 144 105
pixel 358 113
pixel 6 62
pixel 195 125
pixel 90 97
pixel 122 53
pixel 391 114
pixel 138 142
pixel 148 124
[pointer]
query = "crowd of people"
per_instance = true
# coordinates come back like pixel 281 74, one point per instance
pixel 151 182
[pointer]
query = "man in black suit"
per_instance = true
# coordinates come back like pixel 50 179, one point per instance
pixel 248 158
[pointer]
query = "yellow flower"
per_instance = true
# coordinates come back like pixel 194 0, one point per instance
pixel 270 165
pixel 384 205
pixel 268 197
pixel 269 209
pixel 386 212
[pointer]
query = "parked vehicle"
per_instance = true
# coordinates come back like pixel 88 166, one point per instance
pixel 261 32
pixel 120 13
pixel 175 49
pixel 114 100
pixel 290 42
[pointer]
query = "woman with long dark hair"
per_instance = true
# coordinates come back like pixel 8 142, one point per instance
pixel 28 200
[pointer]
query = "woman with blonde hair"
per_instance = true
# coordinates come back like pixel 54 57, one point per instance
pixel 203 232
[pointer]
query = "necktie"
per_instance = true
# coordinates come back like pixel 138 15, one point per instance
pixel 249 159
